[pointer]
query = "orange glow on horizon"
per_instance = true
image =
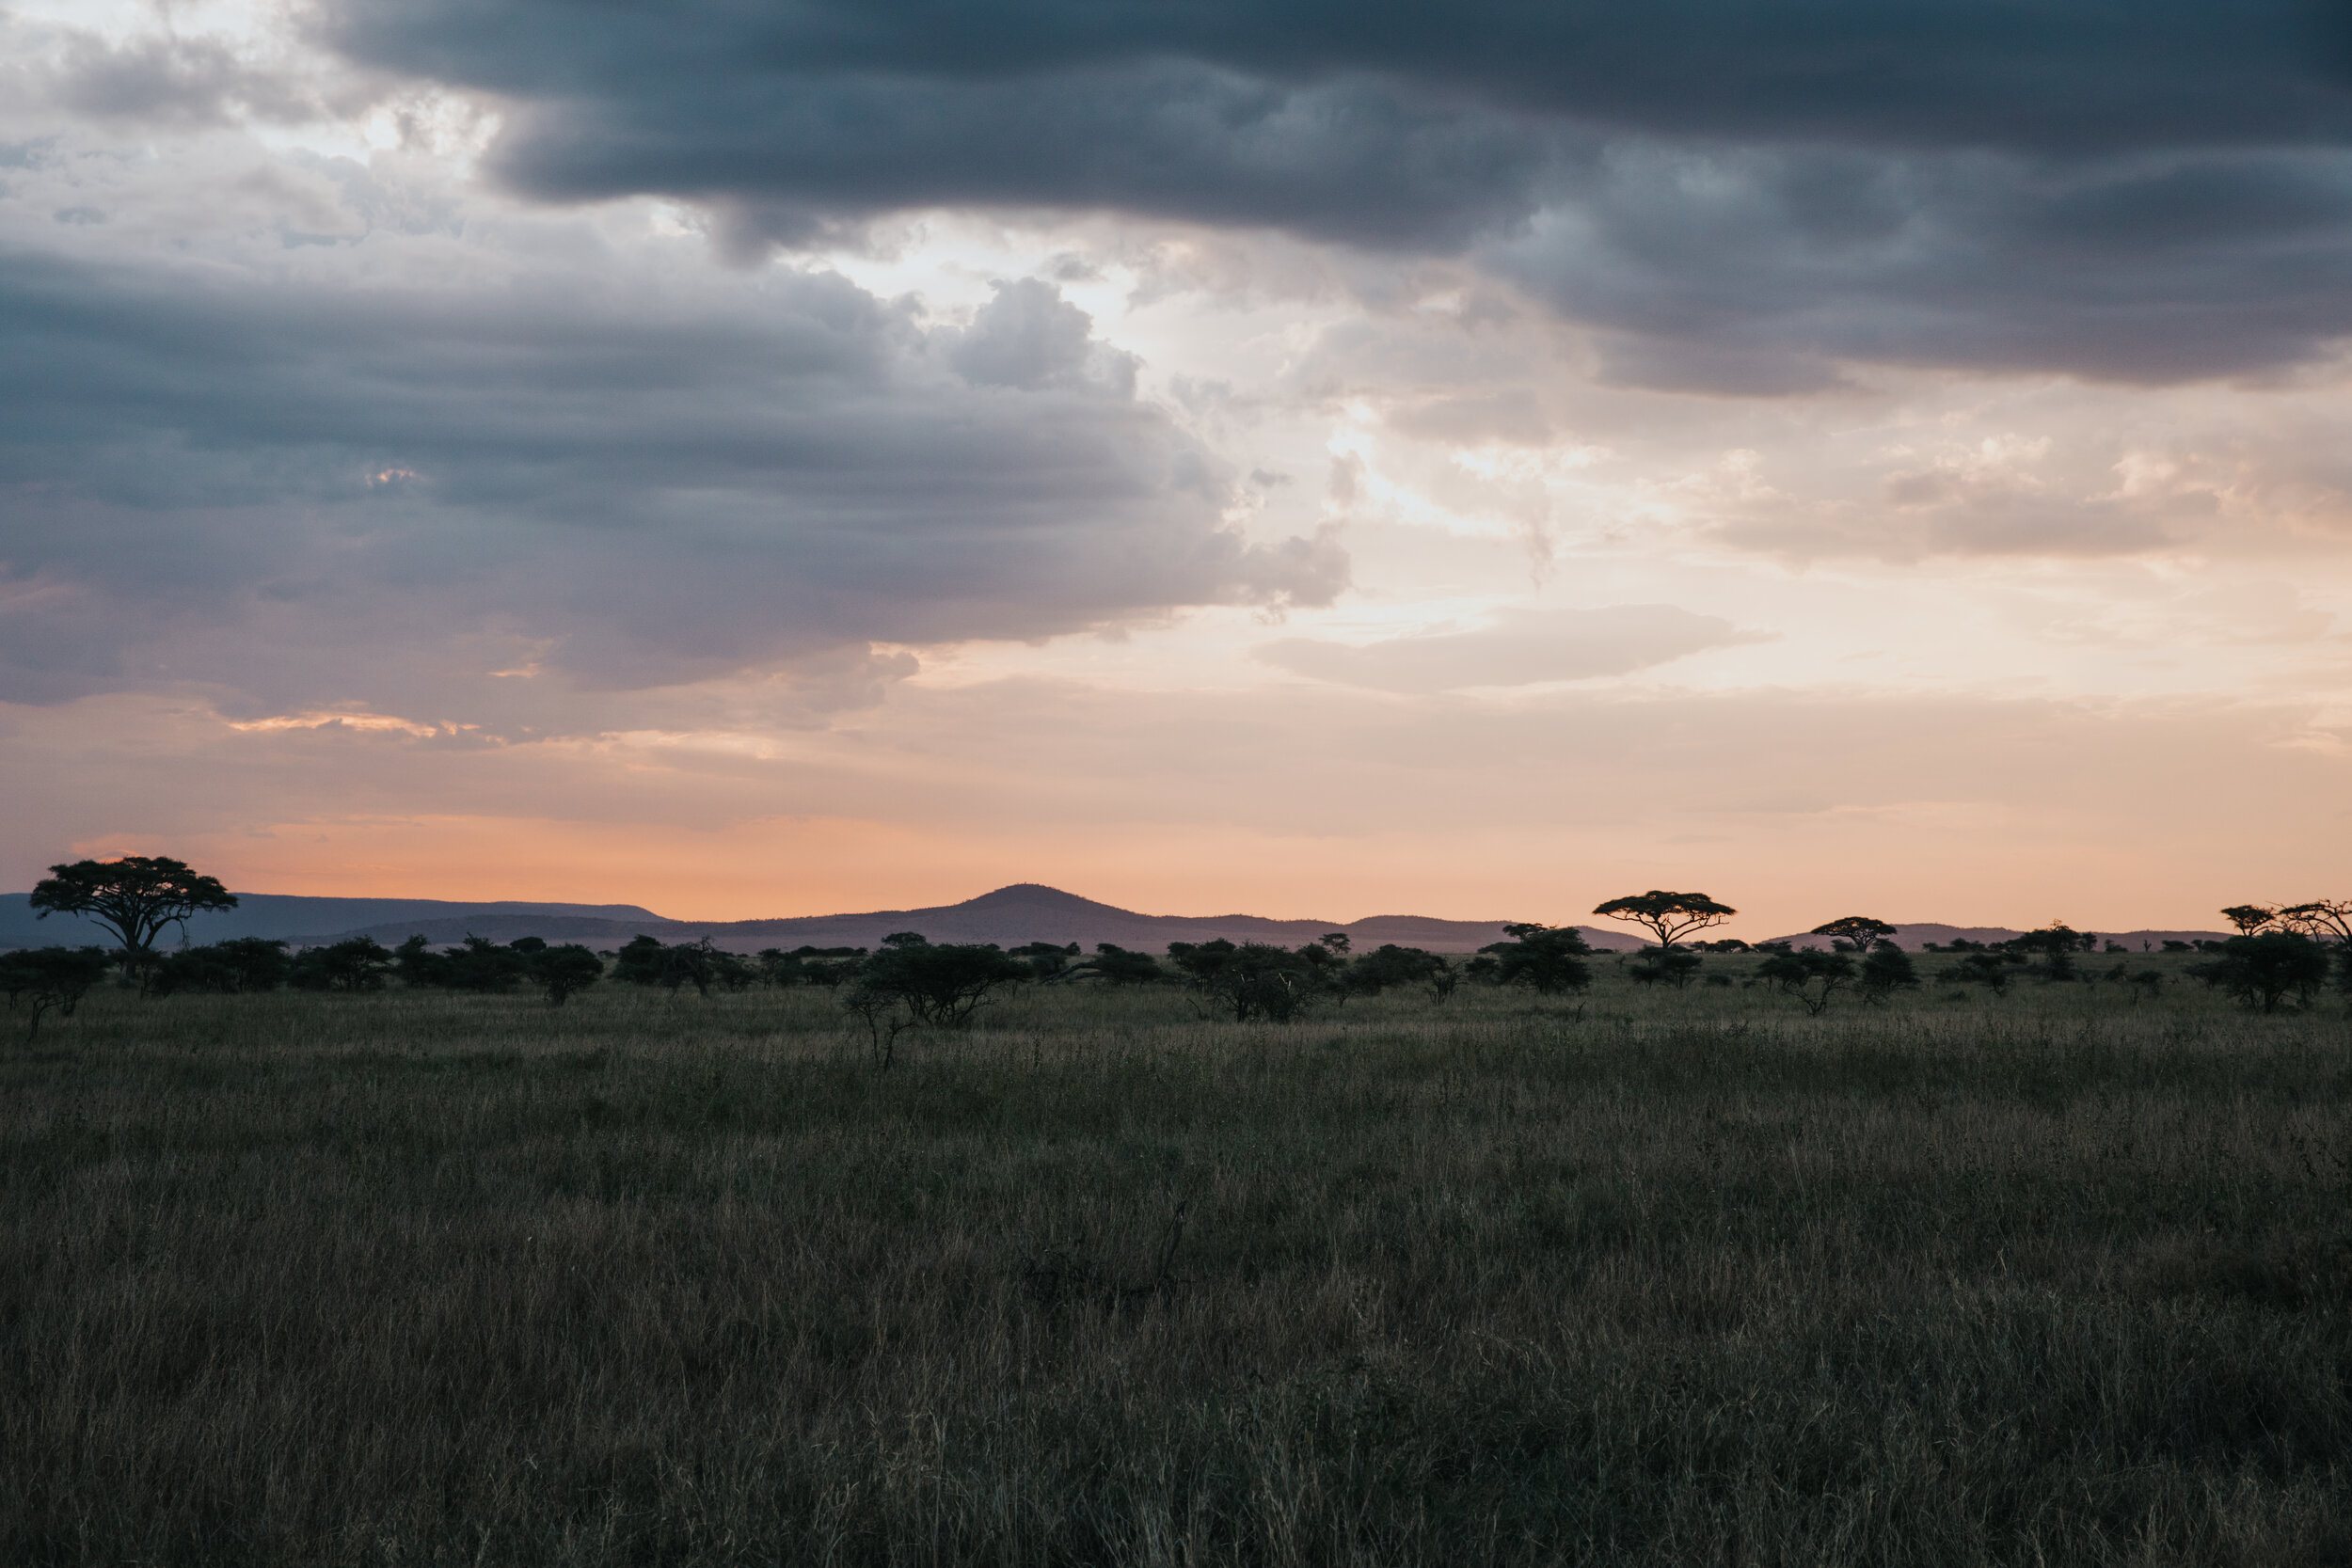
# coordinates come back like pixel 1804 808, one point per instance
pixel 787 867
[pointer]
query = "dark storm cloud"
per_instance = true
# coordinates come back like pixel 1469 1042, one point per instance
pixel 2048 75
pixel 306 493
pixel 1746 269
pixel 1739 192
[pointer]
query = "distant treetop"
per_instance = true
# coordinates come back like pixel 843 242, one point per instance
pixel 1667 916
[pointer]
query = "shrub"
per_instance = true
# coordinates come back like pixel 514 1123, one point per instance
pixel 1809 975
pixel 1672 965
pixel 356 963
pixel 1547 959
pixel 228 968
pixel 2262 972
pixel 1255 980
pixel 46 978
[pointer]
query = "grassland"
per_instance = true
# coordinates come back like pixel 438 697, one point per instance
pixel 1672 1279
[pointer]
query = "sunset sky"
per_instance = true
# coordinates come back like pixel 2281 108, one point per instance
pixel 1272 455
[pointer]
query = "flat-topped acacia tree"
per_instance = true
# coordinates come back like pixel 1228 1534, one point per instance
pixel 1860 930
pixel 1667 916
pixel 135 897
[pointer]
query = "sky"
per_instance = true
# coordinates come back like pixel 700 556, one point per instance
pixel 1309 460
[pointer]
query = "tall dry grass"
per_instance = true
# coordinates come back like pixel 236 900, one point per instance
pixel 1690 1278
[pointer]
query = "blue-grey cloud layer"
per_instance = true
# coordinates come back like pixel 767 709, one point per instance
pixel 1739 191
pixel 304 493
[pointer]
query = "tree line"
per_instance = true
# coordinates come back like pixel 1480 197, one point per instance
pixel 2281 956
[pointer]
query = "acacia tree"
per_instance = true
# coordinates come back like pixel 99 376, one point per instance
pixel 46 978
pixel 1667 916
pixel 2249 918
pixel 2328 922
pixel 135 897
pixel 1809 975
pixel 1547 959
pixel 2263 970
pixel 2321 920
pixel 1860 930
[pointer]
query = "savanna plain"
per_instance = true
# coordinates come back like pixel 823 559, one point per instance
pixel 2056 1276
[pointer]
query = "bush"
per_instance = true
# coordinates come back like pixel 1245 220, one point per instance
pixel 1391 965
pixel 1887 970
pixel 1809 975
pixel 1547 959
pixel 1121 967
pixel 2262 972
pixel 479 965
pixel 565 971
pixel 1672 965
pixel 46 978
pixel 228 968
pixel 1992 971
pixel 646 961
pixel 940 984
pixel 1254 980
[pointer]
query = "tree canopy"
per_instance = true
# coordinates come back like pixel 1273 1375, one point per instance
pixel 2249 918
pixel 1547 959
pixel 1860 930
pixel 1667 916
pixel 135 897
pixel 2263 970
pixel 46 978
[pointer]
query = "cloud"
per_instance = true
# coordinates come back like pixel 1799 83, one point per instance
pixel 1754 269
pixel 1737 196
pixel 2047 74
pixel 350 486
pixel 1522 647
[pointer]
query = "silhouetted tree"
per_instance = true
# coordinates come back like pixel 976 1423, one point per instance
pixel 2323 920
pixel 41 979
pixel 1992 971
pixel 1886 969
pixel 2263 971
pixel 1667 916
pixel 1255 980
pixel 2249 918
pixel 646 961
pixel 478 964
pixel 2328 922
pixel 135 897
pixel 237 965
pixel 1809 975
pixel 1118 966
pixel 1547 959
pixel 1047 961
pixel 355 963
pixel 564 970
pixel 1670 966
pixel 1389 965
pixel 1859 929
pixel 938 984
pixel 2057 942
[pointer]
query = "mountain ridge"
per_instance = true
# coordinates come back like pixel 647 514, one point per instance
pixel 1011 916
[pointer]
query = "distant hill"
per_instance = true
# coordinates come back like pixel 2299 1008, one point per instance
pixel 1024 912
pixel 303 919
pixel 1916 937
